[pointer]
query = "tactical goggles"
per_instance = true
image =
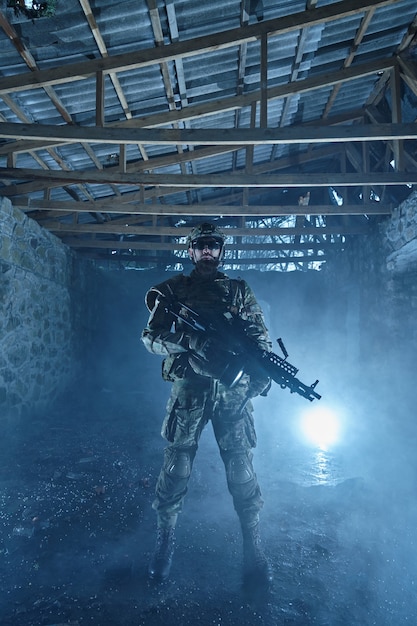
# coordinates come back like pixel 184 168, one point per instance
pixel 211 244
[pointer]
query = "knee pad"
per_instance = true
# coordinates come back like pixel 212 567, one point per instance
pixel 239 469
pixel 179 464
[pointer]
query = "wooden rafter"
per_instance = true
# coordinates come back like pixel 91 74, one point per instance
pixel 215 180
pixel 143 190
pixel 202 209
pixel 210 137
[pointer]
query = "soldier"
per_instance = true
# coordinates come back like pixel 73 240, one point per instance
pixel 198 395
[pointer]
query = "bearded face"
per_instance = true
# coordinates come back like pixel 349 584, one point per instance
pixel 207 267
pixel 205 252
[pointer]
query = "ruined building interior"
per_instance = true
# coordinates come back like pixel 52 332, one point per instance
pixel 291 126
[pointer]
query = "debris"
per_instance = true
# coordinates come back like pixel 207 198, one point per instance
pixel 87 459
pixel 74 476
pixel 23 531
pixel 100 489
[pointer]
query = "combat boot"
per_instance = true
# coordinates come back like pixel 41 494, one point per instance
pixel 256 567
pixel 161 560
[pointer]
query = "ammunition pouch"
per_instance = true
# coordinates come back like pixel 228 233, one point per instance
pixel 175 367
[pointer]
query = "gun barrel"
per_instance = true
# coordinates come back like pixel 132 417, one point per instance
pixel 303 390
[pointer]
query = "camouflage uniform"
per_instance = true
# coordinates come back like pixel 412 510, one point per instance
pixel 197 398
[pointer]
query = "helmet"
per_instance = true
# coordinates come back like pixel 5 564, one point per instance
pixel 205 230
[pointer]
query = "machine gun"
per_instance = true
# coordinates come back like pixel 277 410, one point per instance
pixel 243 354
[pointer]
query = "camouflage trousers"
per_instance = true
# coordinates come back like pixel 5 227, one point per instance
pixel 191 406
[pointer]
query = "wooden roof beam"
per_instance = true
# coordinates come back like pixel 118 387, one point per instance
pixel 181 231
pixel 210 137
pixel 203 209
pixel 241 180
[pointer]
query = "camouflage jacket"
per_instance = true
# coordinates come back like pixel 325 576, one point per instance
pixel 166 336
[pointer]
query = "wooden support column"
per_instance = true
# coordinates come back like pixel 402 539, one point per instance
pixel 264 81
pixel 366 190
pixel 398 144
pixel 122 157
pixel 249 155
pixel 342 190
pixel 11 159
pixel 99 99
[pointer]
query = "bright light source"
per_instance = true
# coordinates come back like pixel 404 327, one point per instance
pixel 321 427
pixel 338 199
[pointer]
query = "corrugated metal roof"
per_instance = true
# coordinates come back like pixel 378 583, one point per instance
pixel 306 59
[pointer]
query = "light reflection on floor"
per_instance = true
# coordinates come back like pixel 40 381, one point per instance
pixel 318 467
pixel 309 466
pixel 323 468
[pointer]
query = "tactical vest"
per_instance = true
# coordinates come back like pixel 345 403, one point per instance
pixel 207 296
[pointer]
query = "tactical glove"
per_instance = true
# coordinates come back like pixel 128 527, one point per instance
pixel 259 387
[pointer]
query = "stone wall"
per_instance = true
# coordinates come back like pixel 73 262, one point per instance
pixel 400 236
pixel 399 241
pixel 44 314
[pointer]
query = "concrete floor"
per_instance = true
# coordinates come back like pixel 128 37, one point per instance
pixel 77 529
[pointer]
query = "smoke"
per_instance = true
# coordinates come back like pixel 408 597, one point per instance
pixel 338 522
pixel 365 484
